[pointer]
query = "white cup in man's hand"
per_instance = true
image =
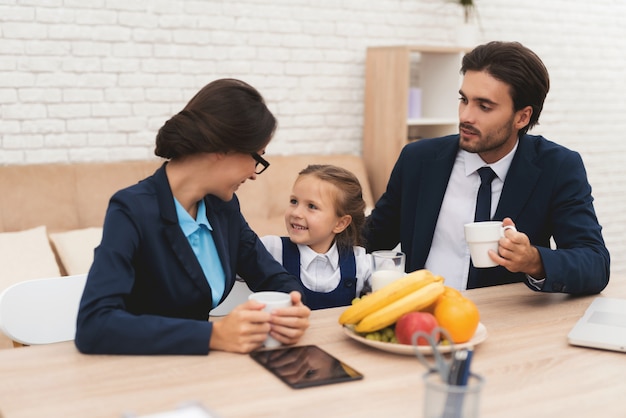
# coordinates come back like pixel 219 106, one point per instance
pixel 272 300
pixel 482 237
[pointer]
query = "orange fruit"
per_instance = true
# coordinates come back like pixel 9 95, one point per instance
pixel 451 292
pixel 447 291
pixel 457 315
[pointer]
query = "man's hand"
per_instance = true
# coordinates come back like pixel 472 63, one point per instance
pixel 516 254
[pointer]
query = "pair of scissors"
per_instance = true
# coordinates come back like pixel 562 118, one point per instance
pixel 439 363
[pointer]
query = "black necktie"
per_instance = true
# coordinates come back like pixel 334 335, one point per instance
pixel 483 213
pixel 483 201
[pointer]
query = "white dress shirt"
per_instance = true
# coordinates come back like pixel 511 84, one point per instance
pixel 449 254
pixel 320 272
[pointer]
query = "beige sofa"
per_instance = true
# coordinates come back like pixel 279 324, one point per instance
pixel 51 214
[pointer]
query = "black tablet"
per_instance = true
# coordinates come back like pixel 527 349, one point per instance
pixel 305 366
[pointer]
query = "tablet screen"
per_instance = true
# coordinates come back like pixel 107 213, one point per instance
pixel 304 366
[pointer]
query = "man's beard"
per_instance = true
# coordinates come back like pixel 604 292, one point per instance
pixel 493 141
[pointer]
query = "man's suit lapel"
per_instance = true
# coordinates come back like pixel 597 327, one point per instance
pixel 520 181
pixel 433 181
pixel 176 238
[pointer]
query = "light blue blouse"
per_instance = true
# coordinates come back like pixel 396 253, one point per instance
pixel 200 237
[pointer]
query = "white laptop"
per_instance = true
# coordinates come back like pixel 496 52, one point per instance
pixel 602 326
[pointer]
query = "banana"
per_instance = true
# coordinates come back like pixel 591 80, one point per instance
pixel 389 314
pixel 386 295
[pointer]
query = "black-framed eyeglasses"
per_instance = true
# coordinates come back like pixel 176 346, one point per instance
pixel 259 161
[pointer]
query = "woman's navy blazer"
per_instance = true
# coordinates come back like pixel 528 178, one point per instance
pixel 146 292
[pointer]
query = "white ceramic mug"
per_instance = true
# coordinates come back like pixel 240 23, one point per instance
pixel 387 266
pixel 482 237
pixel 272 300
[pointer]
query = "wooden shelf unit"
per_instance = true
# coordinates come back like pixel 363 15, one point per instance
pixel 389 74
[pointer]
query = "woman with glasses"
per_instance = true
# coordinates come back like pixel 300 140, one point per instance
pixel 173 243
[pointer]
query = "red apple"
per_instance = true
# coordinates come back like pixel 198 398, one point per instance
pixel 412 322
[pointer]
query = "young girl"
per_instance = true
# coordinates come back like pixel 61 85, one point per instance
pixel 324 219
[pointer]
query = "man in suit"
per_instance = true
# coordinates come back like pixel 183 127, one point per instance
pixel 539 187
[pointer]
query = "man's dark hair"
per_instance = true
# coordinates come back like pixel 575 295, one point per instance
pixel 519 67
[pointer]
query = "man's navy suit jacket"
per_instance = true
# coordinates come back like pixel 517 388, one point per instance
pixel 146 291
pixel 546 194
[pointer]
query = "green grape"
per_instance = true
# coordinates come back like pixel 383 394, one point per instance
pixel 376 336
pixel 388 333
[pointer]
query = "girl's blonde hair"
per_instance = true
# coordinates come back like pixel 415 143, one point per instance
pixel 348 200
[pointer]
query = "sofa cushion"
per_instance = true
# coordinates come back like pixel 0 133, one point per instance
pixel 64 196
pixel 75 248
pixel 26 255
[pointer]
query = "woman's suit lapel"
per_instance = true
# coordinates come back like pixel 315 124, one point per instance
pixel 174 235
pixel 219 223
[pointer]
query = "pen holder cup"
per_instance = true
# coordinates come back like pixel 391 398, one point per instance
pixel 442 400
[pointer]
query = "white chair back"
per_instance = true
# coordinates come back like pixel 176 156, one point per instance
pixel 238 295
pixel 41 311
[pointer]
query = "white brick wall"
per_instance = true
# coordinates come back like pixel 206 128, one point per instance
pixel 84 80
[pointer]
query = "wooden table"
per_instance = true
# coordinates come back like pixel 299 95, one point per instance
pixel 530 371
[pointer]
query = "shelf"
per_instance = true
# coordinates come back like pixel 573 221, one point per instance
pixel 432 121
pixel 390 73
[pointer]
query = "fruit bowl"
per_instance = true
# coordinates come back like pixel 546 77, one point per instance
pixel 479 336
